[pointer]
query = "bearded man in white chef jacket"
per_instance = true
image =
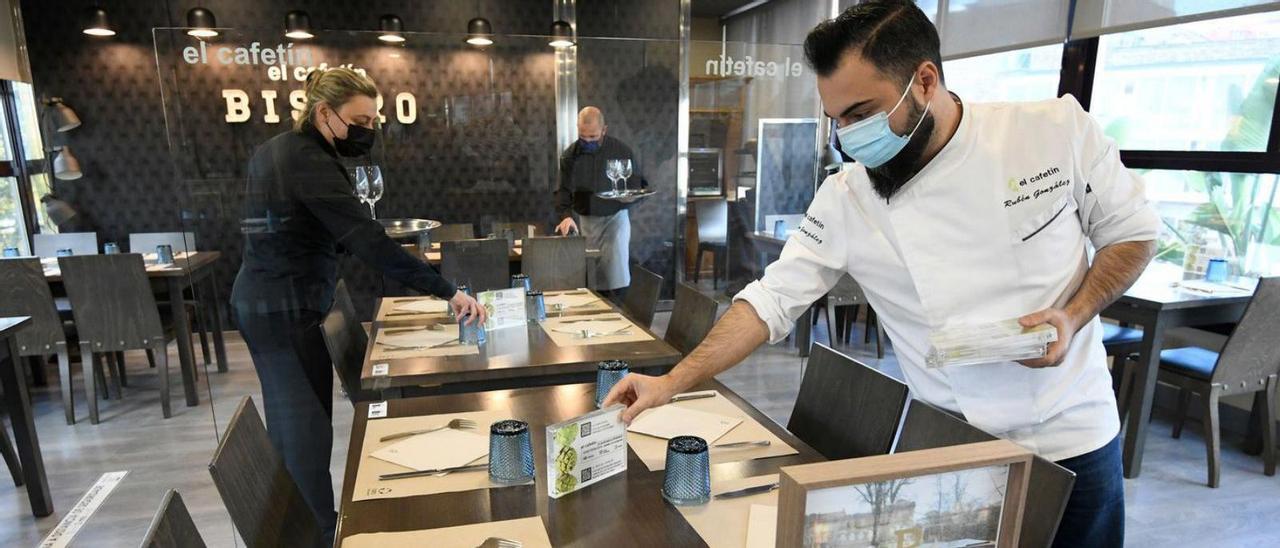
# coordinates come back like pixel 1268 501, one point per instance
pixel 958 212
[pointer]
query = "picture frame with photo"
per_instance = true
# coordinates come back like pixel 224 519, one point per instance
pixel 965 495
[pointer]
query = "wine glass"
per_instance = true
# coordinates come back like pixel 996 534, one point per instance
pixel 613 170
pixel 625 172
pixel 362 184
pixel 375 188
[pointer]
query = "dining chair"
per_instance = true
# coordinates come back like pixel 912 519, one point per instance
pixel 1249 363
pixel 927 427
pixel 521 230
pixel 846 409
pixel 114 311
pixel 265 503
pixel 453 232
pixel 713 237
pixel 346 340
pixel 557 262
pixel 11 460
pixel 147 242
pixel 692 317
pixel 80 243
pixel 847 293
pixel 24 292
pixel 172 526
pixel 481 264
pixel 1121 343
pixel 641 299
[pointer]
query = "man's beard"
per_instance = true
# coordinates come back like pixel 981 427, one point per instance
pixel 892 175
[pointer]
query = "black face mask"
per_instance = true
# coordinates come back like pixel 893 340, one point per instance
pixel 359 139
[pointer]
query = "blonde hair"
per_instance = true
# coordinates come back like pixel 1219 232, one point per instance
pixel 334 87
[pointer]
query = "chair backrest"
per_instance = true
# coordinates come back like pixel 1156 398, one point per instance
pixel 520 229
pixel 112 301
pixel 927 427
pixel 846 292
pixel 555 262
pixel 172 526
pixel 846 409
pixel 80 243
pixel 480 264
pixel 641 299
pixel 146 242
pixel 1252 353
pixel 691 318
pixel 24 292
pixel 264 502
pixel 346 340
pixel 713 220
pixel 453 232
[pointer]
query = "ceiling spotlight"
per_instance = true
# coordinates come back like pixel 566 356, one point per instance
pixel 479 32
pixel 561 35
pixel 96 23
pixel 297 25
pixel 202 23
pixel 392 29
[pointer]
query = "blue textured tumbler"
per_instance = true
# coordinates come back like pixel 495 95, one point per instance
pixel 688 476
pixel 11 252
pixel 535 305
pixel 521 281
pixel 1217 271
pixel 65 252
pixel 110 248
pixel 164 254
pixel 510 452
pixel 608 373
pixel 470 334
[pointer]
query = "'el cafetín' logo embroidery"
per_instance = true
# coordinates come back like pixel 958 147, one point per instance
pixel 1039 186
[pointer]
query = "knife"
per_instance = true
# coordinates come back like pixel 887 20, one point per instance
pixel 747 491
pixel 420 473
pixel 692 396
pixel 741 444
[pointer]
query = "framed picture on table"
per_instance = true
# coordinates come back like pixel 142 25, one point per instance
pixel 965 495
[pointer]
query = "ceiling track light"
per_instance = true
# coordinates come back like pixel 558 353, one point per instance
pixel 479 32
pixel 392 29
pixel 297 25
pixel 202 23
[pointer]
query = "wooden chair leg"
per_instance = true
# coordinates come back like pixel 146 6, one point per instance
pixel 151 358
pixel 1180 414
pixel 201 325
pixel 65 382
pixel 871 317
pixel 99 376
pixel 121 371
pixel 1269 427
pixel 697 266
pixel 39 377
pixel 1126 384
pixel 163 358
pixel 113 373
pixel 10 457
pixel 92 372
pixel 1212 438
pixel 880 338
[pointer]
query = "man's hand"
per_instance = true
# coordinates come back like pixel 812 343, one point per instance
pixel 639 392
pixel 1058 349
pixel 464 304
pixel 565 226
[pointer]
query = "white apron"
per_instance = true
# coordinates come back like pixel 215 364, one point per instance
pixel 612 236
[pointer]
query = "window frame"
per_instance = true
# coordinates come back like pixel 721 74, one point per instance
pixel 19 167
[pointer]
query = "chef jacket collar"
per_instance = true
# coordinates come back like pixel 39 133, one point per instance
pixel 951 153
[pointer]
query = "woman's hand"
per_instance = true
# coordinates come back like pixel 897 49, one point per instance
pixel 464 304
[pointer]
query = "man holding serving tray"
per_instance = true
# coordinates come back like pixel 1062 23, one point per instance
pixel 958 214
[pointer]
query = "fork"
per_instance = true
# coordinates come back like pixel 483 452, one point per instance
pixel 456 424
pixel 608 319
pixel 498 542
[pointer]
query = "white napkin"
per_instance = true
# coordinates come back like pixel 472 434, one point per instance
pixel 762 526
pixel 669 421
pixel 440 449
pixel 418 337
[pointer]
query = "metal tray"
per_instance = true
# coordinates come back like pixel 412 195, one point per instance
pixel 400 229
pixel 626 196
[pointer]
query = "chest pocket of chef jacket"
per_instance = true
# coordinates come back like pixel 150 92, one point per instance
pixel 1047 237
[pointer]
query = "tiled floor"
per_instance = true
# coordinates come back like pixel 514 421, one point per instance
pixel 1168 505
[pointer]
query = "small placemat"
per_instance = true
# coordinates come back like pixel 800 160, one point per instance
pixel 529 532
pixel 653 451
pixel 574 301
pixel 367 484
pixel 415 342
pixel 563 331
pixel 724 523
pixel 401 309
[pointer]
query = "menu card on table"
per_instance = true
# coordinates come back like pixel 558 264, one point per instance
pixel 529 532
pixel 398 343
pixel 505 308
pixel 590 330
pixel 749 521
pixel 375 461
pixel 584 450
pixel 447 448
pixel 574 301
pixel 412 308
pixel 652 450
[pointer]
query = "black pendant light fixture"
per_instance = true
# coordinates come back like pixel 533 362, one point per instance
pixel 96 23
pixel 297 25
pixel 392 29
pixel 479 32
pixel 202 23
pixel 561 35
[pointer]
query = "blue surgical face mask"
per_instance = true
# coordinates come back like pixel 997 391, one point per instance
pixel 871 141
pixel 590 146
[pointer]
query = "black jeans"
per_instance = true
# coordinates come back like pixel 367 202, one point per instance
pixel 293 367
pixel 1095 513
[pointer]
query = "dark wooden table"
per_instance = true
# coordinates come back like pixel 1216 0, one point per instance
pixel 194 270
pixel 509 358
pixel 14 382
pixel 1157 306
pixel 770 247
pixel 626 510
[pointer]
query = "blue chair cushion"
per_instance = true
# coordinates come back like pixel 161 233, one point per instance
pixel 1191 361
pixel 1114 334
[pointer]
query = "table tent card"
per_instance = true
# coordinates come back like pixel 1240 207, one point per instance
pixel 505 308
pixel 584 450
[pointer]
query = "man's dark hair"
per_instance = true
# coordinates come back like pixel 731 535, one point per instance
pixel 894 35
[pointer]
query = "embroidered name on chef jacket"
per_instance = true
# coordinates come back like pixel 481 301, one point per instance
pixel 1035 186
